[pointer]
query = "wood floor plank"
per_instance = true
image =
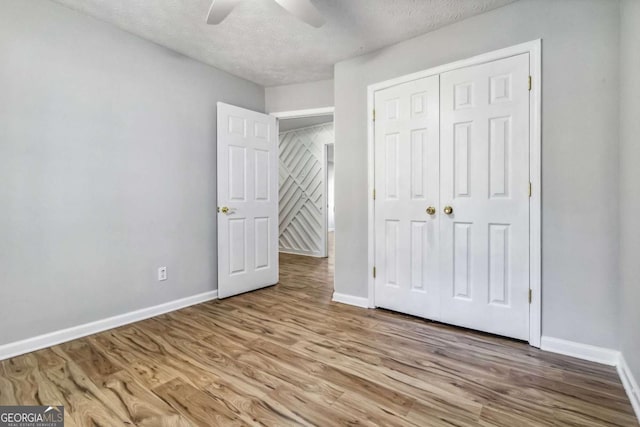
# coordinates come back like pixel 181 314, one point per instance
pixel 383 396
pixel 370 413
pixel 97 366
pixel 20 385
pixel 296 378
pixel 223 358
pixel 83 399
pixel 288 355
pixel 320 414
pixel 254 407
pixel 430 393
pixel 150 371
pixel 7 391
pixel 142 406
pixel 196 405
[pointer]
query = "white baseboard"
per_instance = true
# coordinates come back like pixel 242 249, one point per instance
pixel 592 353
pixel 602 355
pixel 303 253
pixel 53 338
pixel 351 300
pixel 630 385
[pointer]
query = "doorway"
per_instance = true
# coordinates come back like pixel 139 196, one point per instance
pixel 249 179
pixel 305 185
pixel 306 200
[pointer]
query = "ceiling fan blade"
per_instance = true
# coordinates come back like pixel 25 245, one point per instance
pixel 220 9
pixel 304 10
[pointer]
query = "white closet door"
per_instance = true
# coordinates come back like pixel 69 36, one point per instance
pixel 247 200
pixel 484 175
pixel 406 171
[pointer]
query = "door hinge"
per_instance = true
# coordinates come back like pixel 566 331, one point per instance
pixel 374 194
pixel 530 296
pixel 374 114
pixel 530 189
pixel 530 82
pixel 374 272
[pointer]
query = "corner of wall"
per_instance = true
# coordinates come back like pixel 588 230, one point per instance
pixel 629 199
pixel 299 96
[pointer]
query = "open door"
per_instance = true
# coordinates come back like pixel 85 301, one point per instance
pixel 247 200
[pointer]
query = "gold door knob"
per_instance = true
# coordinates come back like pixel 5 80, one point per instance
pixel 448 210
pixel 431 210
pixel 224 210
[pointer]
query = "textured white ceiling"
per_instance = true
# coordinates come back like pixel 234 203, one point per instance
pixel 262 43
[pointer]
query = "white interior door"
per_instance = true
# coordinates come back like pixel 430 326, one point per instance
pixel 247 200
pixel 406 153
pixel 484 177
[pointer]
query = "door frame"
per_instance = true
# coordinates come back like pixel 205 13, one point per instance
pixel 534 49
pixel 312 112
pixel 297 114
pixel 326 187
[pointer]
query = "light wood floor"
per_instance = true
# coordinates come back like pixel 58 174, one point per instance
pixel 288 356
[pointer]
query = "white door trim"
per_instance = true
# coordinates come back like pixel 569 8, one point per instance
pixel 296 114
pixel 534 49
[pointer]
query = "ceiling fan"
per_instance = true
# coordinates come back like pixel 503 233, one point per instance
pixel 301 9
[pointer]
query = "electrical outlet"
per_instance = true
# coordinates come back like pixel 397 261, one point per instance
pixel 162 274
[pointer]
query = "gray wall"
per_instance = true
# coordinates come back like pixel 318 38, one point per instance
pixel 107 169
pixel 301 96
pixel 629 182
pixel 285 125
pixel 580 150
